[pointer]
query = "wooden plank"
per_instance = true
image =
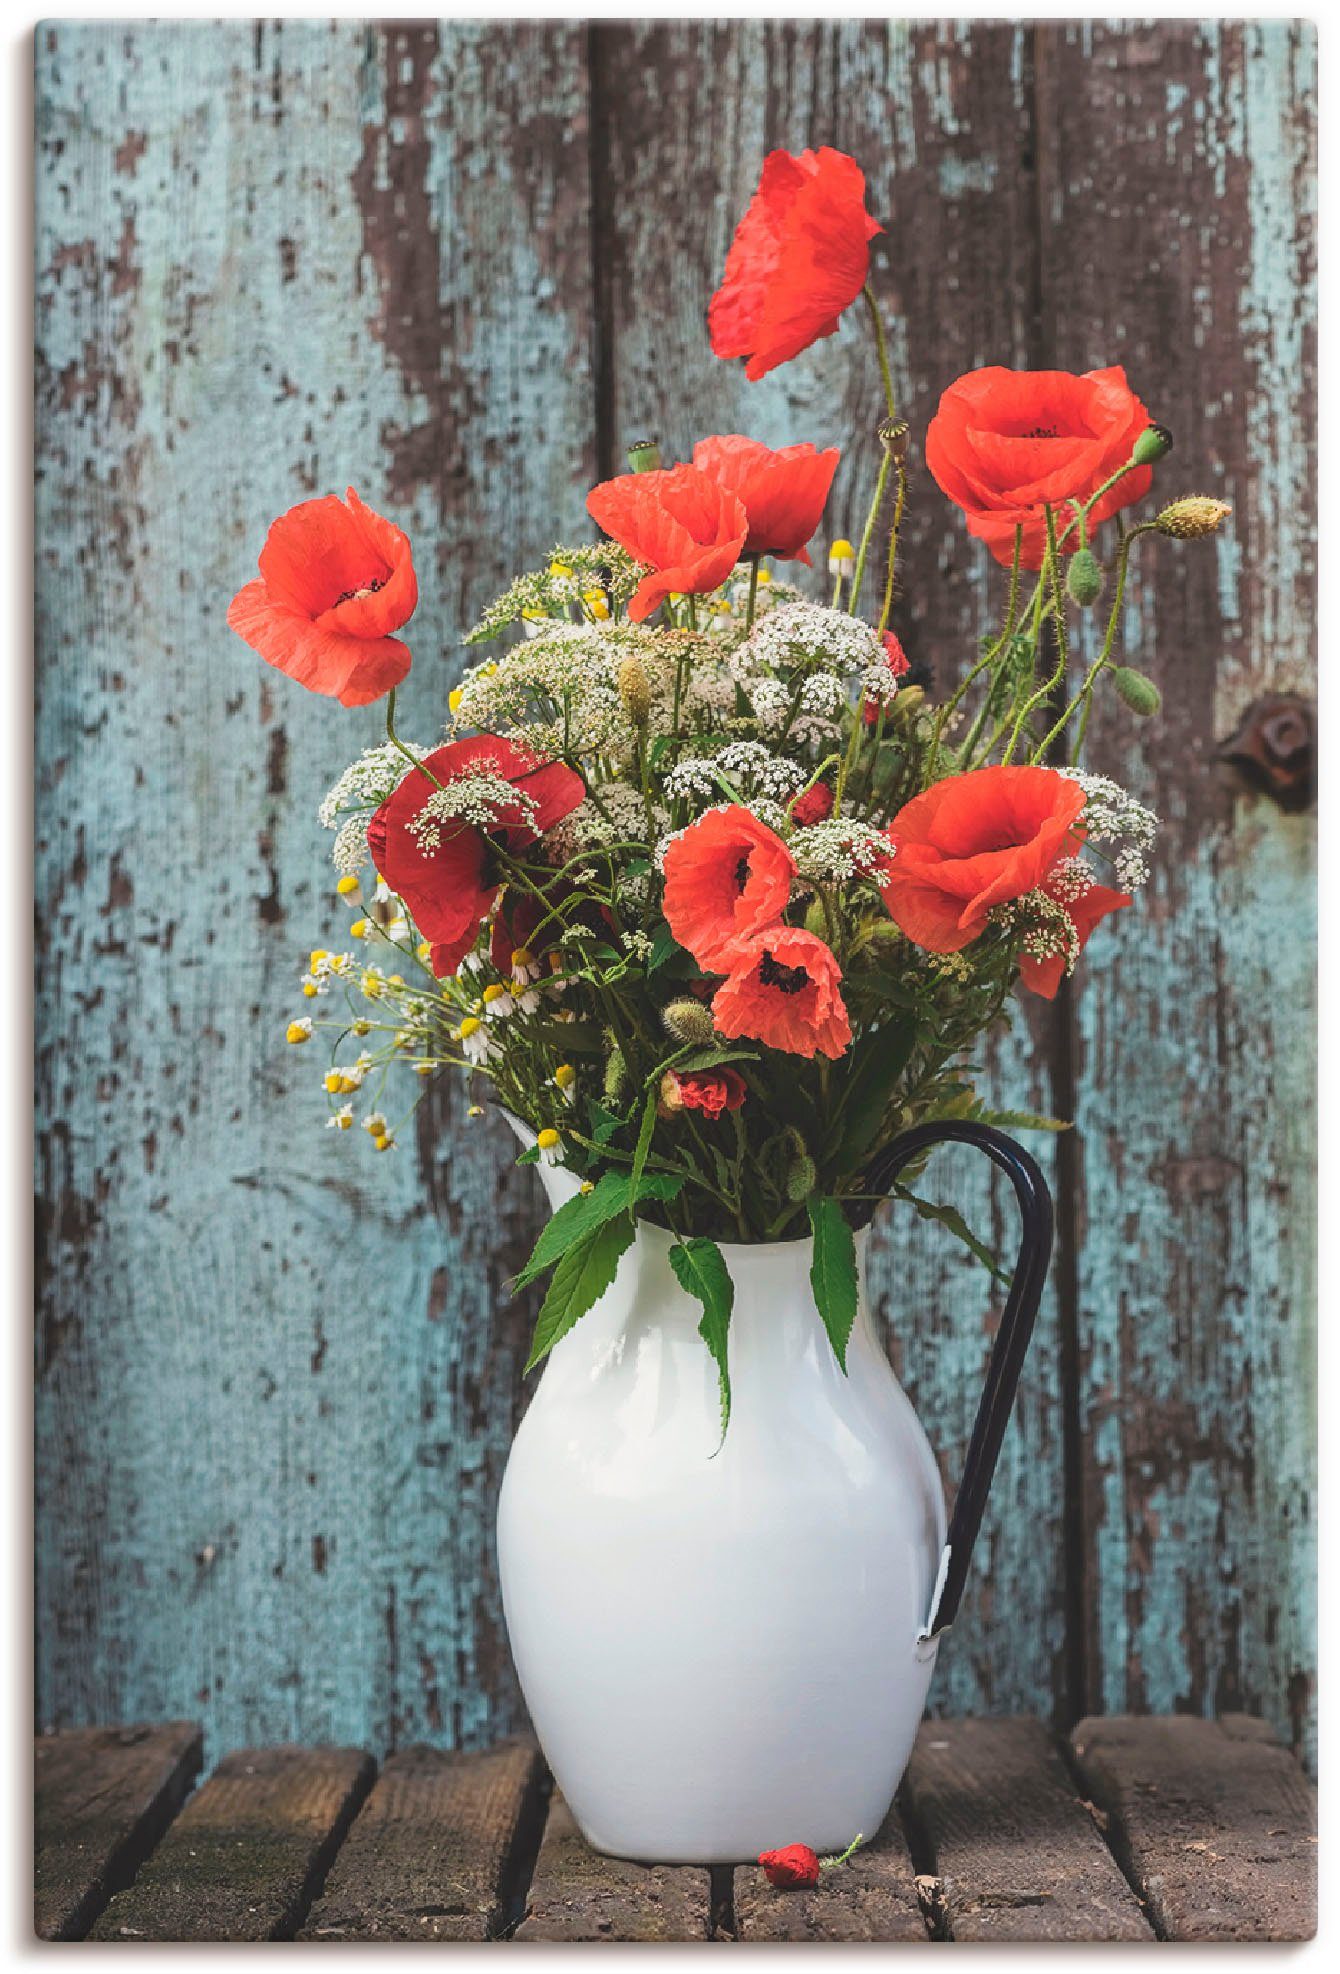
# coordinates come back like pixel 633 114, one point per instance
pixel 938 113
pixel 434 1852
pixel 243 1858
pixel 873 1897
pixel 1016 1853
pixel 274 258
pixel 1216 1828
pixel 579 1894
pixel 103 1798
pixel 1183 246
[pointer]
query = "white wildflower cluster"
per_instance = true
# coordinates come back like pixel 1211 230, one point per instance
pixel 617 814
pixel 325 969
pixel 771 702
pixel 366 782
pixel 1050 932
pixel 557 692
pixel 349 852
pixel 1123 828
pixel 479 798
pixel 879 684
pixel 810 637
pixel 748 766
pixel 822 695
pixel 637 944
pixel 839 850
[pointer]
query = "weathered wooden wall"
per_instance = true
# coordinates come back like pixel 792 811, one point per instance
pixel 460 266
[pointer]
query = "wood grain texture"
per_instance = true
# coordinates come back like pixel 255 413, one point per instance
pixel 1216 1825
pixel 277 1379
pixel 1016 1853
pixel 1194 1200
pixel 103 1797
pixel 432 1853
pixel 873 1897
pixel 578 1894
pixel 242 1860
pixel 460 265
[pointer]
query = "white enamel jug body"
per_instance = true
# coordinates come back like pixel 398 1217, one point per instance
pixel 718 1640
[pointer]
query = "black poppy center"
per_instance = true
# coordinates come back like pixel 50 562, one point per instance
pixel 786 979
pixel 368 589
pixel 1043 432
pixel 742 874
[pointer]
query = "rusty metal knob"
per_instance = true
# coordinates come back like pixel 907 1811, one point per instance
pixel 1275 749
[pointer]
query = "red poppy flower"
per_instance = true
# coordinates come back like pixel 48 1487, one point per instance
pixel 797 1865
pixel 1085 913
pixel 708 1090
pixel 814 806
pixel 688 529
pixel 726 877
pixel 973 841
pixel 1006 443
pixel 784 991
pixel 445 871
pixel 783 492
pixel 334 580
pixel 800 256
pixel 898 665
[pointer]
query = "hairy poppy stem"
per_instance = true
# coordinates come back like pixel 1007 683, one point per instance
pixel 397 742
pixel 877 323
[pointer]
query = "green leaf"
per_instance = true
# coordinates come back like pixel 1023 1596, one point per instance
pixel 1021 1120
pixel 950 1217
pixel 663 946
pixel 582 1276
pixel 700 1268
pixel 712 1059
pixel 833 1273
pixel 644 1135
pixel 877 1062
pixel 611 1196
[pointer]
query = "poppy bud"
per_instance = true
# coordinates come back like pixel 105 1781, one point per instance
pixel 616 1074
pixel 634 691
pixel 801 1178
pixel 1136 691
pixel 670 1098
pixel 910 700
pixel 1084 578
pixel 689 1021
pixel 1191 517
pixel 644 455
pixel 1152 444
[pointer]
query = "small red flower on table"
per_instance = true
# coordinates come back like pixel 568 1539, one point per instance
pixel 784 493
pixel 450 885
pixel 336 579
pixel 784 990
pixel 1005 444
pixel 727 876
pixel 973 841
pixel 794 1866
pixel 687 528
pixel 800 256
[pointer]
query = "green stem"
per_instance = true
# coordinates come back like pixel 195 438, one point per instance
pixel 880 484
pixel 398 743
pixel 882 348
pixel 754 561
pixel 1011 618
pixel 1052 570
pixel 898 505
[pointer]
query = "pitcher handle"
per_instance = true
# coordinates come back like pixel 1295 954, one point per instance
pixel 1008 1351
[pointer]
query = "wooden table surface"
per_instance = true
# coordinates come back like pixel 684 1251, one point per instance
pixel 1136 1828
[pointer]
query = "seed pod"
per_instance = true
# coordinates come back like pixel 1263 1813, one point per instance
pixel 1192 517
pixel 1084 578
pixel 1136 691
pixel 634 691
pixel 1152 444
pixel 644 455
pixel 616 1074
pixel 689 1021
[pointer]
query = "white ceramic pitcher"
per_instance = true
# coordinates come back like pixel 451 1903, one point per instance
pixel 725 1645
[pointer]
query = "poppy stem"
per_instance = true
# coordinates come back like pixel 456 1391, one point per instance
pixel 397 742
pixel 882 348
pixel 989 658
pixel 858 573
pixel 754 561
pixel 898 505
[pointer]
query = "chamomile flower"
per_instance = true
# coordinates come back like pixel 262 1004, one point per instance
pixel 549 1144
pixel 565 1077
pixel 341 1119
pixel 477 1045
pixel 300 1030
pixel 498 1003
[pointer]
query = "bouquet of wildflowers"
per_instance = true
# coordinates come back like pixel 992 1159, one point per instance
pixel 712 894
